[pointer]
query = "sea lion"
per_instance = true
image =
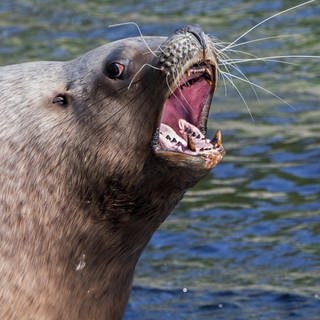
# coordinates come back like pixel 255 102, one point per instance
pixel 95 154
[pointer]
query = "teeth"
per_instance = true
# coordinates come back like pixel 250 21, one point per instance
pixel 171 138
pixel 217 139
pixel 218 136
pixel 190 141
pixel 207 70
pixel 191 144
pixel 190 129
pixel 167 131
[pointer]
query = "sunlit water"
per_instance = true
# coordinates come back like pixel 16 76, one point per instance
pixel 245 242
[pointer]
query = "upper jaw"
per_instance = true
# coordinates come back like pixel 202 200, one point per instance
pixel 180 137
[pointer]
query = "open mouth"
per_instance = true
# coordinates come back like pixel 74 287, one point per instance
pixel 184 117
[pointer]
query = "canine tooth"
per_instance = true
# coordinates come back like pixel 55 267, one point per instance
pixel 191 144
pixel 208 71
pixel 217 139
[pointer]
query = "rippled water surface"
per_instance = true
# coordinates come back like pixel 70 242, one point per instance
pixel 245 242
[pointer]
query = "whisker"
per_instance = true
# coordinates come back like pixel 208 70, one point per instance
pixel 266 60
pixel 141 68
pixel 139 30
pixel 155 51
pixel 235 67
pixel 224 84
pixel 263 39
pixel 239 93
pixel 224 55
pixel 218 42
pixel 262 88
pixel 265 20
pixel 242 52
pixel 271 58
pixel 245 77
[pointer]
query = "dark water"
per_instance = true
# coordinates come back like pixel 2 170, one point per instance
pixel 245 242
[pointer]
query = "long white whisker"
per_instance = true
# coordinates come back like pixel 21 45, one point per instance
pixel 221 54
pixel 224 84
pixel 262 88
pixel 239 93
pixel 139 30
pixel 265 20
pixel 225 75
pixel 265 60
pixel 141 68
pixel 230 61
pixel 234 66
pixel 271 58
pixel 243 52
pixel 245 77
pixel 263 39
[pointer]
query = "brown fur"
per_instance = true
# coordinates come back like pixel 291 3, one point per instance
pixel 81 191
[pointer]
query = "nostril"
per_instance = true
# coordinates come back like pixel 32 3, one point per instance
pixel 196 31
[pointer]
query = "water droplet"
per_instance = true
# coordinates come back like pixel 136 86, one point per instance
pixel 82 263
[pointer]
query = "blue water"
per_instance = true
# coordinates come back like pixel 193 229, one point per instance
pixel 234 304
pixel 245 242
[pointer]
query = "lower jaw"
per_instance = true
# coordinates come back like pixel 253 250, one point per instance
pixel 190 149
pixel 198 162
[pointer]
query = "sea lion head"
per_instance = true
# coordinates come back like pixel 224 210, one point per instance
pixel 119 116
pixel 144 98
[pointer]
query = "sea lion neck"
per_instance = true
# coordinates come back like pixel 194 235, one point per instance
pixel 106 236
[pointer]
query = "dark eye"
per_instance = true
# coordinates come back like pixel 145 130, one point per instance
pixel 114 70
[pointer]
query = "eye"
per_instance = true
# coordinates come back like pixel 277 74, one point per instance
pixel 114 70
